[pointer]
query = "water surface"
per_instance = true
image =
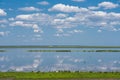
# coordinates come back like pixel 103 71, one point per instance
pixel 20 59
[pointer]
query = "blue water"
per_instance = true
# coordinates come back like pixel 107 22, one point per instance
pixel 18 59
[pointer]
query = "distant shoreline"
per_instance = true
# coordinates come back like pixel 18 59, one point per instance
pixel 56 46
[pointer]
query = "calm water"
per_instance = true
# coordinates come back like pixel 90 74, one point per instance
pixel 19 59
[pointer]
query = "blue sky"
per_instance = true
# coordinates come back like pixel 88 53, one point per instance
pixel 60 22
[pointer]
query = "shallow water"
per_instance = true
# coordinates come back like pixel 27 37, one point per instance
pixel 19 59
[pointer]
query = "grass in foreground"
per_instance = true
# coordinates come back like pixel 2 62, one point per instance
pixel 60 75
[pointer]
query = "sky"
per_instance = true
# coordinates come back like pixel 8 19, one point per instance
pixel 60 22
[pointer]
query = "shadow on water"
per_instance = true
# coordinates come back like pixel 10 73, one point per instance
pixel 2 50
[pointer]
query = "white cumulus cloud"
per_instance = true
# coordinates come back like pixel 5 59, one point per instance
pixel 99 30
pixel 104 5
pixel 2 12
pixel 29 9
pixel 24 17
pixel 3 33
pixel 3 21
pixel 108 5
pixel 66 24
pixel 93 8
pixel 43 3
pixel 76 31
pixel 60 15
pixel 35 17
pixel 78 0
pixel 21 23
pixel 67 8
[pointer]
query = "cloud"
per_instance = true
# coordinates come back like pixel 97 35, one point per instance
pixel 67 8
pixel 24 17
pixel 34 21
pixel 38 30
pixel 29 67
pixel 63 66
pixel 61 15
pixel 28 9
pixel 78 0
pixel 104 5
pixel 107 5
pixel 99 19
pixel 35 27
pixel 62 35
pixel 11 19
pixel 43 3
pixel 99 30
pixel 3 21
pixel 61 32
pixel 90 18
pixel 66 24
pixel 93 8
pixel 35 17
pixel 82 17
pixel 3 58
pixel 36 63
pixel 3 33
pixel 21 23
pixel 76 31
pixel 2 12
pixel 38 20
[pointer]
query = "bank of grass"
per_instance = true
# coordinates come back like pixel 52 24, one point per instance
pixel 60 75
pixel 49 51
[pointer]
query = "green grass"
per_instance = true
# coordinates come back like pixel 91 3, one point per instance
pixel 60 75
pixel 49 50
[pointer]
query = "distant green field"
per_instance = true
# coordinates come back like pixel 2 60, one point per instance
pixel 60 75
pixel 58 46
pixel 64 48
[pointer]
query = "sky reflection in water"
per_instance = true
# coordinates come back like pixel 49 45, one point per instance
pixel 21 60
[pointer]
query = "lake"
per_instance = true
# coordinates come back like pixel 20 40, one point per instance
pixel 54 59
